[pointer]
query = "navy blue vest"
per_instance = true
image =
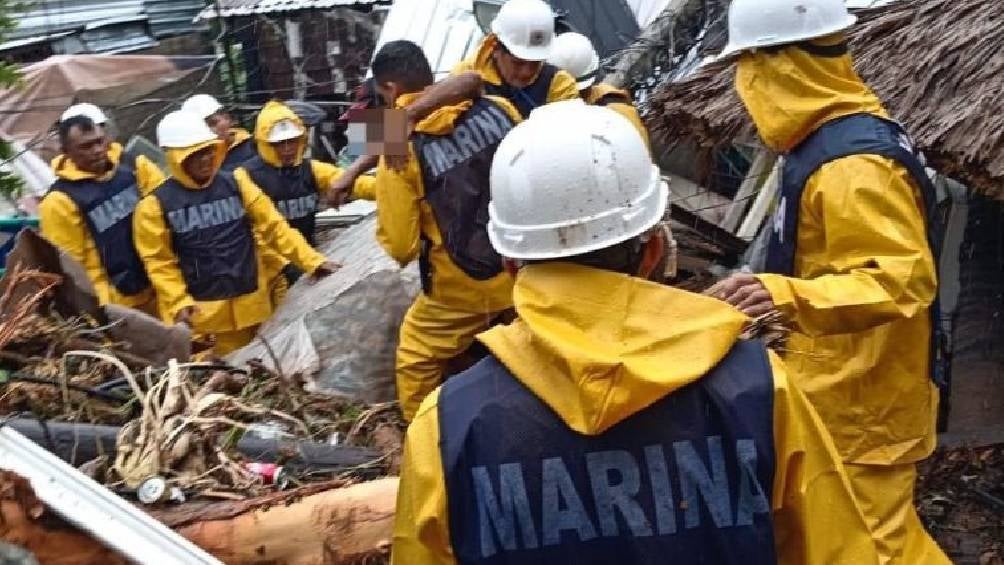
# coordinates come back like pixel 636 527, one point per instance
pixel 526 99
pixel 292 189
pixel 455 173
pixel 107 208
pixel 857 134
pixel 238 155
pixel 212 237
pixel 687 480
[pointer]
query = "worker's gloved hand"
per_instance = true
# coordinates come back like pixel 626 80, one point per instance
pixel 326 268
pixel 745 292
pixel 292 273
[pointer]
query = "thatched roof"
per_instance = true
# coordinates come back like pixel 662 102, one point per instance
pixel 937 64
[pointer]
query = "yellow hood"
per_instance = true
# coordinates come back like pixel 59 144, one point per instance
pixel 240 136
pixel 272 113
pixel 597 347
pixel 176 156
pixel 791 93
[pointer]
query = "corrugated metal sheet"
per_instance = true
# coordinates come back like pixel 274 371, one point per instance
pixel 173 17
pixel 446 30
pixel 646 11
pixel 46 17
pixel 231 8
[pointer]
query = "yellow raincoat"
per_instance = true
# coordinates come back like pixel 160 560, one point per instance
pixel 622 106
pixel 440 325
pixel 562 86
pixel 864 279
pixel 611 345
pixel 233 321
pixel 62 224
pixel 324 174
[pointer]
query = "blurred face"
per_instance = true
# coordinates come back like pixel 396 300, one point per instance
pixel 221 123
pixel 199 166
pixel 514 71
pixel 287 151
pixel 88 150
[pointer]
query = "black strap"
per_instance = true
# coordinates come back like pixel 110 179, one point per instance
pixel 829 51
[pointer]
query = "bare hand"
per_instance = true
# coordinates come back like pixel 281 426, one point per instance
pixel 745 292
pixel 340 190
pixel 185 315
pixel 326 269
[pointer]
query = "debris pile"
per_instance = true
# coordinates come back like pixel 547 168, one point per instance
pixel 960 498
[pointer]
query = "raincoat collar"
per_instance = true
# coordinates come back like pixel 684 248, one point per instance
pixel 598 347
pixel 66 169
pixel 790 93
pixel 272 113
pixel 240 136
pixel 176 156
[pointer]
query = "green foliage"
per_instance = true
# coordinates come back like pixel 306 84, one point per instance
pixel 10 185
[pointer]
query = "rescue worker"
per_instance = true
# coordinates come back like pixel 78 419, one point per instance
pixel 573 52
pixel 292 181
pixel 200 236
pixel 240 147
pixel 148 174
pixel 512 59
pixel 617 420
pixel 88 214
pixel 850 260
pixel 435 210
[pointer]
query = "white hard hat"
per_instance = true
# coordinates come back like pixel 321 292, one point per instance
pixel 85 109
pixel 202 104
pixel 180 129
pixel 571 179
pixel 526 28
pixel 765 23
pixel 574 53
pixel 283 130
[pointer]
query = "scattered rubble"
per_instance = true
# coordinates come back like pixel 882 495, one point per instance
pixel 960 498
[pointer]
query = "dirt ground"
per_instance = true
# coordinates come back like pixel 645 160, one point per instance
pixel 960 496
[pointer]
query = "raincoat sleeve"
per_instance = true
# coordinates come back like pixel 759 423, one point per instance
pixel 879 266
pixel 563 87
pixel 153 244
pixel 364 188
pixel 148 175
pixel 398 213
pixel 271 259
pixel 62 224
pixel 421 525
pixel 272 228
pixel 629 112
pixel 816 521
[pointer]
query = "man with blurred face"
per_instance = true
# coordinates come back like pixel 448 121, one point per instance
pixel 511 59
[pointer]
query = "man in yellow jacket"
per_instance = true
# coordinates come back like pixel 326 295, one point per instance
pixel 239 145
pixel 148 174
pixel 617 420
pixel 200 236
pixel 434 210
pixel 294 183
pixel 88 214
pixel 512 59
pixel 850 261
pixel 573 52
